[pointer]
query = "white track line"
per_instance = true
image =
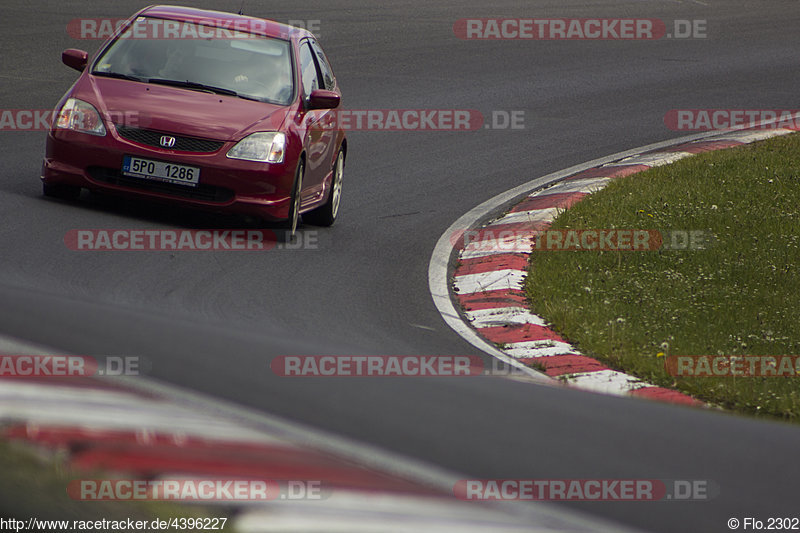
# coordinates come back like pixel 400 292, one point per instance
pixel 543 348
pixel 490 281
pixel 652 160
pixel 532 216
pixel 752 136
pixel 502 316
pixel 520 242
pixel 606 381
pixel 584 185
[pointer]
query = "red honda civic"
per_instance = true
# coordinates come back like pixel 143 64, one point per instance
pixel 205 109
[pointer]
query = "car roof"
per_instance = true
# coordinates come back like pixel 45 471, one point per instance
pixel 268 28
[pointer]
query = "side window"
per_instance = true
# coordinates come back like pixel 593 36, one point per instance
pixel 308 69
pixel 324 66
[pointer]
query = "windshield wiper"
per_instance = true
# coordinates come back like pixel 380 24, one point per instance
pixel 194 85
pixel 248 97
pixel 117 75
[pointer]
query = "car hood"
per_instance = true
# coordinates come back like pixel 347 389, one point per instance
pixel 180 111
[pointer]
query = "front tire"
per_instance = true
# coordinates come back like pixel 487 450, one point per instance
pixel 327 213
pixel 294 207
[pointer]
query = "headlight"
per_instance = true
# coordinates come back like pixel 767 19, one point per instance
pixel 81 116
pixel 263 146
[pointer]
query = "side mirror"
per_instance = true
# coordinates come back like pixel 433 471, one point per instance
pixel 322 99
pixel 75 58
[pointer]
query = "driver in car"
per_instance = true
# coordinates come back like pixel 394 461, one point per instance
pixel 265 78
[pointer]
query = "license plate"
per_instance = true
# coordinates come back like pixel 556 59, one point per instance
pixel 160 171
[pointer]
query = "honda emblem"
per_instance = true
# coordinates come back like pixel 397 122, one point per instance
pixel 167 141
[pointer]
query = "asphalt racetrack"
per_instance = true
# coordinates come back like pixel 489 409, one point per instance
pixel 212 321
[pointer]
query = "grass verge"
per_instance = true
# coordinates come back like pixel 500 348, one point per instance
pixel 738 296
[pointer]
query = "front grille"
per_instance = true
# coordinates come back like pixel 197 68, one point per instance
pixel 205 193
pixel 153 138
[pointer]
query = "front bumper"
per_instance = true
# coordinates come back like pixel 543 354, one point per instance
pixel 226 185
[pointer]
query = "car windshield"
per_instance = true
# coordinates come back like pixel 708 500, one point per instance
pixel 243 65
